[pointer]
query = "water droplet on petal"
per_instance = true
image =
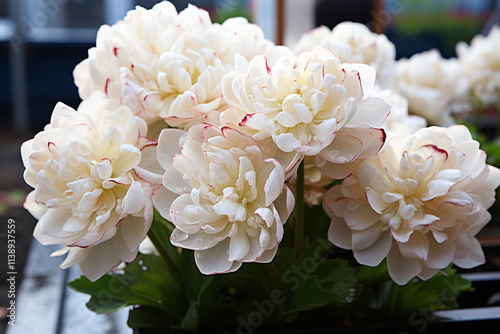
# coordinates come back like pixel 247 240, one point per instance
pixel 352 205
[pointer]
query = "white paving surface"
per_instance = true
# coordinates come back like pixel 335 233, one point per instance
pixel 40 307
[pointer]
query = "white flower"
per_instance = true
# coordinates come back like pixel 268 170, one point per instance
pixel 481 63
pixel 87 195
pixel 228 203
pixel 313 106
pixel 355 43
pixel 399 110
pixel 434 86
pixel 419 203
pixel 168 65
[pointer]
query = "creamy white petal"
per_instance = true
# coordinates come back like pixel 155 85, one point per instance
pixel 420 193
pixel 214 260
pixel 86 185
pixel 237 202
pixel 401 269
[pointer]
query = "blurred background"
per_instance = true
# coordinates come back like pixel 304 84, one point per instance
pixel 41 41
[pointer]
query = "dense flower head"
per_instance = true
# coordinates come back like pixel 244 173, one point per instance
pixel 354 43
pixel 226 200
pixel 87 195
pixel 419 203
pixel 313 106
pixel 435 87
pixel 167 64
pixel 481 63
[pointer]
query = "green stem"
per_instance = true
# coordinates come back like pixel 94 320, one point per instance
pixel 160 247
pixel 497 109
pixel 278 283
pixel 273 272
pixel 478 114
pixel 299 213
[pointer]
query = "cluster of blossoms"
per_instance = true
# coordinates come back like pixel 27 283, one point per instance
pixel 434 86
pixel 439 88
pixel 355 43
pixel 208 124
pixel 481 64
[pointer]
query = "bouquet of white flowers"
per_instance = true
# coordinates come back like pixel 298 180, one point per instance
pixel 223 149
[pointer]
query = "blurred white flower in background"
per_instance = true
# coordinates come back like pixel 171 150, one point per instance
pixel 481 62
pixel 354 43
pixel 399 110
pixel 434 86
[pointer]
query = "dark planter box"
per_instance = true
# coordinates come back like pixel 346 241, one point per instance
pixel 479 310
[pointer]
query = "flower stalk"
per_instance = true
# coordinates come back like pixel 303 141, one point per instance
pixel 160 247
pixel 275 276
pixel 497 109
pixel 299 213
pixel 478 115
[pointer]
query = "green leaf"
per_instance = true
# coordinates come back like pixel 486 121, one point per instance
pixel 110 304
pixel 143 282
pixel 439 292
pixel 163 291
pixel 190 321
pixel 159 234
pixel 332 281
pixel 310 295
pixel 208 303
pixel 337 278
pixel 373 275
pixel 145 263
pixel 193 281
pixel 146 317
pixel 109 293
pixel 317 223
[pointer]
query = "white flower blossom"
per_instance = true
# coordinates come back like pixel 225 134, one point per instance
pixel 227 202
pixel 419 203
pixel 399 110
pixel 168 65
pixel 87 195
pixel 434 86
pixel 354 43
pixel 481 63
pixel 313 106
